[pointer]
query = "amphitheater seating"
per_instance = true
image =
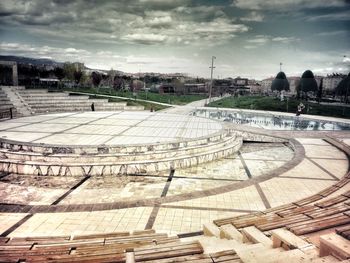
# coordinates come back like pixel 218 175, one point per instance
pixel 5 106
pixel 41 101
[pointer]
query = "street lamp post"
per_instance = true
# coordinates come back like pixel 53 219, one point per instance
pixel 280 66
pixel 211 77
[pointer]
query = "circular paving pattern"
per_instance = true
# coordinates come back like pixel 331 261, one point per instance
pixel 258 176
pixel 107 128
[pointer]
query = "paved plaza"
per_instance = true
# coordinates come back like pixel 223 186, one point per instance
pixel 107 128
pixel 256 177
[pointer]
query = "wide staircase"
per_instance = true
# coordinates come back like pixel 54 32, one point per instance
pixel 41 101
pixel 5 106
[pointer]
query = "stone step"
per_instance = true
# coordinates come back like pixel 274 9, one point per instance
pixel 116 149
pixel 33 91
pixel 58 100
pixel 116 168
pixel 252 234
pixel 76 102
pixel 6 105
pixel 78 109
pixel 68 104
pixel 118 157
pixel 48 95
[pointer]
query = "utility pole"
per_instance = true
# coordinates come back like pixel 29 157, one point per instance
pixel 211 77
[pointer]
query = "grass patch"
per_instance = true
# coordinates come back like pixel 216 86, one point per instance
pixel 275 104
pixel 163 98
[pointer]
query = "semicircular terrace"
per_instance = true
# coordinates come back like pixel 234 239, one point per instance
pixel 111 143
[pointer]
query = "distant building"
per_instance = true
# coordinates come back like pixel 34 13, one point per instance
pixel 196 88
pixel 266 84
pixel 330 83
pixel 256 87
pixel 166 88
pixel 293 84
pixel 240 82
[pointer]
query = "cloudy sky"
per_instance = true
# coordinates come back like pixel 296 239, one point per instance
pixel 248 37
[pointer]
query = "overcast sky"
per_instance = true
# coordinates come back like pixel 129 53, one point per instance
pixel 248 37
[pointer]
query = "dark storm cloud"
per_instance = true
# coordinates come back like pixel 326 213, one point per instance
pixel 132 32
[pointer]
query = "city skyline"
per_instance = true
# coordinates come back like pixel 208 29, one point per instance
pixel 249 38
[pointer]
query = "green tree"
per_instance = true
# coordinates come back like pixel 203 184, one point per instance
pixel 280 82
pixel 308 82
pixel 96 78
pixel 78 74
pixel 343 87
pixel 59 73
pixel 69 69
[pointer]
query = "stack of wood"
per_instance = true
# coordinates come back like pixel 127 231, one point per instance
pixel 308 215
pixel 267 236
pixel 113 247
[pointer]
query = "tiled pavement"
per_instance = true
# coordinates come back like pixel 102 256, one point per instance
pixel 322 166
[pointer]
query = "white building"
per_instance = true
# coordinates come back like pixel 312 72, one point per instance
pixel 330 83
pixel 266 84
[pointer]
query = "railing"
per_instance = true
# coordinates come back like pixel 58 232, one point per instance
pixel 6 114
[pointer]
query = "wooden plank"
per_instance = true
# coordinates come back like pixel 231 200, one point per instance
pixel 296 224
pixel 326 192
pixel 326 259
pixel 143 232
pixel 225 256
pixel 167 240
pixel 210 229
pixel 129 257
pixel 280 208
pixel 334 244
pixel 167 251
pixel 282 222
pixel 229 220
pixel 329 211
pixel 298 210
pixel 240 223
pixel 314 226
pixel 102 235
pixel 342 229
pixel 4 240
pixel 308 200
pixel 113 257
pixel 254 235
pixel 230 232
pixel 52 239
pixel 137 238
pixel 247 253
pixel 331 201
pixel 342 182
pixel 199 258
pixel 281 237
